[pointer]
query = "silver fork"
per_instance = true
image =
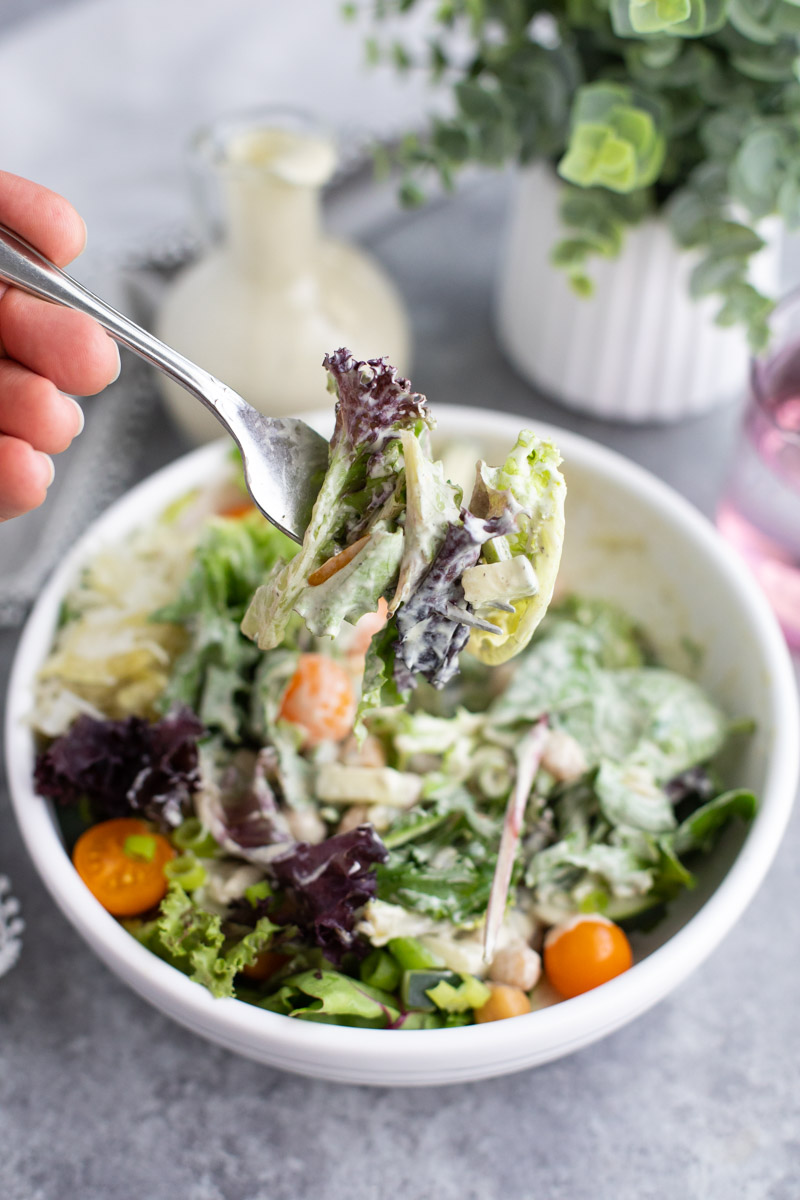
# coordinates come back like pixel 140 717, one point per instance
pixel 284 459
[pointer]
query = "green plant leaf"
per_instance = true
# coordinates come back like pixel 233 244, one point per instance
pixel 713 274
pixel 657 16
pixel 773 64
pixel 411 194
pixel 765 21
pixel 789 202
pixel 479 103
pixel 614 142
pixel 673 18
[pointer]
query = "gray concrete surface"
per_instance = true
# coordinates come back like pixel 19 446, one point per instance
pixel 102 1098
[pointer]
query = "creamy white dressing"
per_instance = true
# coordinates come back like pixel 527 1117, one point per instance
pixel 261 309
pixel 304 160
pixel 460 948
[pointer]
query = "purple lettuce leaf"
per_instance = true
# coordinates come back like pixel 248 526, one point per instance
pixel 430 637
pixel 125 768
pixel 236 804
pixel 325 886
pixel 373 401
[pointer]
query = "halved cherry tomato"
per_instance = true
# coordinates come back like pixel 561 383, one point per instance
pixel 367 626
pixel 585 952
pixel 319 698
pixel 266 964
pixel 505 1001
pixel 234 511
pixel 126 884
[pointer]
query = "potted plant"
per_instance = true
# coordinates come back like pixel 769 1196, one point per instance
pixel 659 147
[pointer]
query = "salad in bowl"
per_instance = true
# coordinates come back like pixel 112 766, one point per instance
pixel 378 780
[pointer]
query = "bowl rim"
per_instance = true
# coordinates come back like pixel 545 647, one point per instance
pixel 468 1052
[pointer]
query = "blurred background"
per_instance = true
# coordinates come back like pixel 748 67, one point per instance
pixel 100 1096
pixel 103 102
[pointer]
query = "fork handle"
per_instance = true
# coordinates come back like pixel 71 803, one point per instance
pixel 26 268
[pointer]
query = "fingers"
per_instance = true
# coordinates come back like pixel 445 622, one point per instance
pixel 64 346
pixel 42 217
pixel 25 476
pixel 33 409
pixel 47 349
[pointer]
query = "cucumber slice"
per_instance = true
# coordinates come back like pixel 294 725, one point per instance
pixel 380 970
pixel 412 955
pixel 416 984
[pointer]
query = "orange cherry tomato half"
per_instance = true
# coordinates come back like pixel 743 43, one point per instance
pixel 235 511
pixel 367 626
pixel 126 884
pixel 585 952
pixel 320 699
pixel 266 963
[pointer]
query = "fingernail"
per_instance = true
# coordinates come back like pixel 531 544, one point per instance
pixel 119 364
pixel 51 467
pixel 81 417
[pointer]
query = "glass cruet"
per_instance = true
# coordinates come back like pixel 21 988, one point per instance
pixel 272 292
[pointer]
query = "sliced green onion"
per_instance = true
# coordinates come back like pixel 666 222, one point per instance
pixel 192 835
pixel 412 955
pixel 141 846
pixel 497 550
pixel 469 993
pixel 257 891
pixel 594 902
pixel 187 871
pixel 380 970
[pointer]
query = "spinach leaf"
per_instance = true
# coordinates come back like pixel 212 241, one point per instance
pixel 699 831
pixel 322 994
pixel 629 795
pixel 615 640
pixel 457 892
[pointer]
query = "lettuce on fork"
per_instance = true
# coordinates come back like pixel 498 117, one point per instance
pixel 388 524
pixel 360 502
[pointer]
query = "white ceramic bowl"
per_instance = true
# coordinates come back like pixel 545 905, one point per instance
pixel 630 539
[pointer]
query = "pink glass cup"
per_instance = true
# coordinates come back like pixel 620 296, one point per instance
pixel 760 507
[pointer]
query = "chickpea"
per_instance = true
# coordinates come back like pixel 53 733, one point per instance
pixel 516 965
pixel 505 1001
pixel 379 816
pixel 357 814
pixel 305 825
pixel 563 756
pixel 369 754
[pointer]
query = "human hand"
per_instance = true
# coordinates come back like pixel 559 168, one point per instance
pixel 43 348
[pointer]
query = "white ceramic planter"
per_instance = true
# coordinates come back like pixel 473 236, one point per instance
pixel 640 349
